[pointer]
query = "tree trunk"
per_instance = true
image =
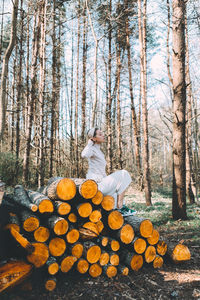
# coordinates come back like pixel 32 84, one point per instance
pixel 54 88
pixel 31 100
pixel 142 40
pixel 179 109
pixel 41 94
pixel 77 90
pixel 4 74
pixel 134 116
pixel 109 100
pixel 19 88
pixel 189 178
pixel 84 57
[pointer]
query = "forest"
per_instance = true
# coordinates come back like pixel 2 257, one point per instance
pixel 130 68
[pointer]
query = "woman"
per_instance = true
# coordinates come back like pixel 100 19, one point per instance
pixel 114 184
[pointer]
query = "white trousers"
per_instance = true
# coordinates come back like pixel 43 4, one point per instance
pixel 115 184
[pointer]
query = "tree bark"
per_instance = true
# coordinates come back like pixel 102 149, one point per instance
pixel 189 177
pixel 32 99
pixel 134 116
pixel 143 66
pixel 179 109
pixel 4 73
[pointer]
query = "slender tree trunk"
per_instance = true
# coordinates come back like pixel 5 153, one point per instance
pixel 188 136
pixel 19 89
pixel 167 42
pixel 1 39
pixel 179 109
pixel 13 105
pixel 143 62
pixel 71 106
pixel 41 94
pixel 109 102
pixel 134 116
pixel 32 98
pixel 94 108
pixel 54 89
pixel 84 57
pixel 77 92
pixel 4 73
pixel 119 134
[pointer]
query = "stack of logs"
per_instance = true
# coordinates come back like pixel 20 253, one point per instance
pixel 69 224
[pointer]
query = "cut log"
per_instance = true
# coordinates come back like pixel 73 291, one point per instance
pixel 114 259
pixel 95 216
pixel 110 271
pixel 150 254
pixel 115 220
pixel 77 250
pixel 82 266
pixel 141 226
pixel 103 240
pixel 95 270
pixel 13 222
pixel 161 248
pixel 87 188
pixel 153 240
pixel 43 203
pixel 52 265
pixel 61 188
pixel 104 258
pixel 100 226
pixel 22 241
pixel 13 273
pixel 58 224
pixel 67 263
pixel 123 270
pixel 91 226
pixel 72 236
pixel 158 262
pixel 30 222
pixel 108 203
pixel 179 253
pixel 126 234
pixel 91 251
pixel 72 218
pixel 21 197
pixel 84 209
pixel 62 208
pixel 87 234
pixel 39 256
pixel 114 245
pixel 57 246
pixel 97 199
pixel 50 284
pixel 133 260
pixel 41 234
pixel 139 245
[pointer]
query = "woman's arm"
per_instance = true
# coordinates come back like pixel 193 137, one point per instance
pixel 88 150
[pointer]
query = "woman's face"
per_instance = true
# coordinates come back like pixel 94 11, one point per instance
pixel 99 137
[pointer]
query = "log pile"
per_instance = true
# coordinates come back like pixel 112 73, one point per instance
pixel 69 225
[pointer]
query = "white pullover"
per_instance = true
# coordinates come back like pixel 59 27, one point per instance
pixel 96 161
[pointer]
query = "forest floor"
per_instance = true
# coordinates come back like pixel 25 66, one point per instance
pixel 179 282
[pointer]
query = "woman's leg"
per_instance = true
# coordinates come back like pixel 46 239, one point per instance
pixel 120 199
